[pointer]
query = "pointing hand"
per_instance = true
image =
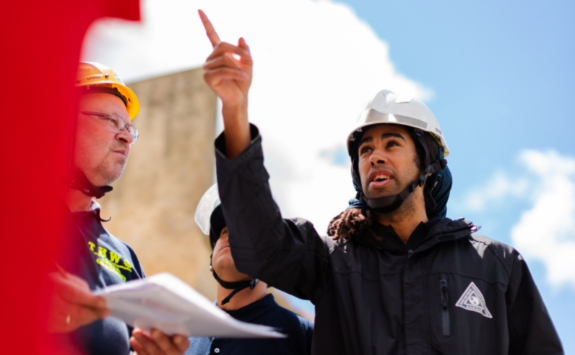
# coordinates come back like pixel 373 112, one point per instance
pixel 228 69
pixel 228 72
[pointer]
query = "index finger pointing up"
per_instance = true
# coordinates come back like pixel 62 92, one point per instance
pixel 212 35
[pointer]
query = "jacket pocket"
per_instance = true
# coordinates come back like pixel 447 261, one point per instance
pixel 443 288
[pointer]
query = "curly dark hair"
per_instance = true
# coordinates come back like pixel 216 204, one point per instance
pixel 433 148
pixel 349 223
pixel 355 221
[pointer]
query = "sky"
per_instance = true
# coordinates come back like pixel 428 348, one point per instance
pixel 497 75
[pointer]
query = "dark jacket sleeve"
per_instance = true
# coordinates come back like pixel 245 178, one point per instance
pixel 531 330
pixel 285 253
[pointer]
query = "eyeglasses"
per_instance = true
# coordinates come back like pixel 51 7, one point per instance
pixel 116 123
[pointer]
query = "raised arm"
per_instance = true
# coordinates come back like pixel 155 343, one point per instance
pixel 287 254
pixel 228 72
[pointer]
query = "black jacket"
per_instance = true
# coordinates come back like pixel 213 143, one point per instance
pixel 453 293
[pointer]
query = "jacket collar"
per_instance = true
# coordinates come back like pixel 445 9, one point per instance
pixel 95 210
pixel 436 231
pixel 444 231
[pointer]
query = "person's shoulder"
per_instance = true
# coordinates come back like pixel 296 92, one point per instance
pixel 305 323
pixel 293 317
pixel 495 245
pixel 119 243
pixel 298 329
pixel 504 253
pixel 307 227
pixel 126 252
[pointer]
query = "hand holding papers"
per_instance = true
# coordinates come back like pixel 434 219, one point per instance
pixel 166 303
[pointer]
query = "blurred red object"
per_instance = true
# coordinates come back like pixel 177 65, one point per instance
pixel 40 45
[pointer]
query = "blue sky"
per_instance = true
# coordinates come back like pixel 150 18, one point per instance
pixel 502 74
pixel 498 76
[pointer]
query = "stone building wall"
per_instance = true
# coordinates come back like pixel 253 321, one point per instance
pixel 170 167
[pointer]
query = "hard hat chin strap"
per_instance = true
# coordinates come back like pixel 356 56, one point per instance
pixel 237 286
pixel 79 181
pixel 389 204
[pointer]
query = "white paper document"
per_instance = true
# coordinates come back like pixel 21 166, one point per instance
pixel 166 303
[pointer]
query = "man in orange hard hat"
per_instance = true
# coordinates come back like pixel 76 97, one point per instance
pixel 94 258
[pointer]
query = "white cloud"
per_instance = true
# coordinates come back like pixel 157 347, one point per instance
pixel 547 231
pixel 497 187
pixel 316 66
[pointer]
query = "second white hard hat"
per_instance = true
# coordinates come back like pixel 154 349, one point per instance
pixel 388 107
pixel 207 205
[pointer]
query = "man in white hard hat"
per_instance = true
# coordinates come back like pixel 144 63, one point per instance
pixel 93 258
pixel 390 280
pixel 243 297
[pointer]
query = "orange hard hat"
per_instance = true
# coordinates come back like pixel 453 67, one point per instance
pixel 98 75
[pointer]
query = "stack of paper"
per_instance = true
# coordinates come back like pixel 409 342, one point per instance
pixel 166 303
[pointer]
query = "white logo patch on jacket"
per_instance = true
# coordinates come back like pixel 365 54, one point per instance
pixel 472 300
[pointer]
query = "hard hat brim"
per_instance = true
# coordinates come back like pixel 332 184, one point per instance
pixel 372 117
pixel 133 105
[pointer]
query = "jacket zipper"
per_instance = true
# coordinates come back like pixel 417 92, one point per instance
pixel 444 305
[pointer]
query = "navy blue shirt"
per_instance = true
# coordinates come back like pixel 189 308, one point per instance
pixel 95 255
pixel 267 312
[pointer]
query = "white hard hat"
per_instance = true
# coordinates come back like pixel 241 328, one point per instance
pixel 207 205
pixel 388 107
